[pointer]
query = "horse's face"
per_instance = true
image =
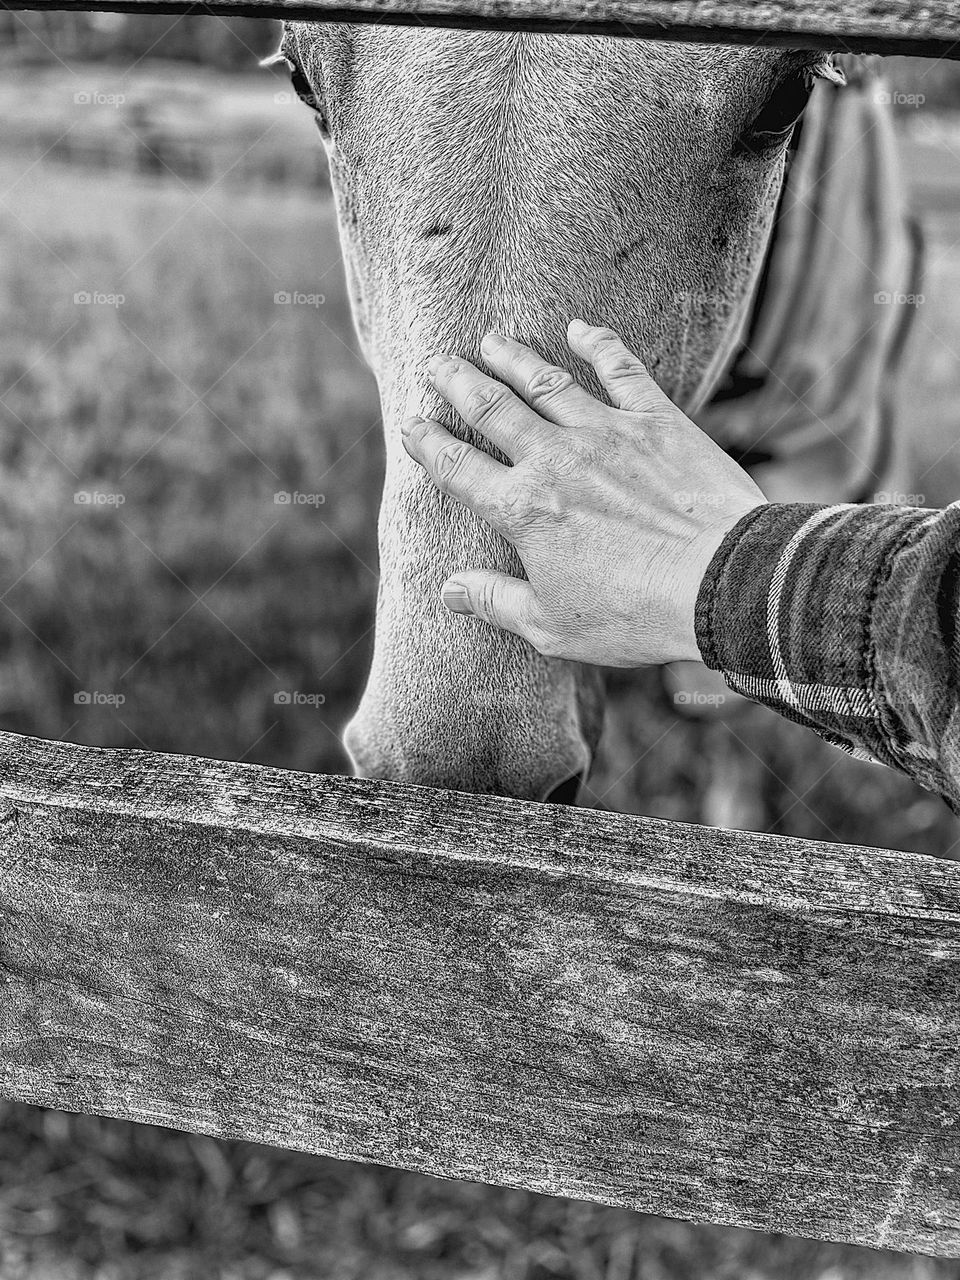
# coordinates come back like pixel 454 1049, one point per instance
pixel 499 181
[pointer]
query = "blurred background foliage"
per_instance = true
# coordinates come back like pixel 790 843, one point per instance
pixel 229 44
pixel 158 193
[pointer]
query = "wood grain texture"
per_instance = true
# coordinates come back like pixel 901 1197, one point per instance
pixel 713 1025
pixel 930 28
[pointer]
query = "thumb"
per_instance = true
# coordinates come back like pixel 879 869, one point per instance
pixel 508 603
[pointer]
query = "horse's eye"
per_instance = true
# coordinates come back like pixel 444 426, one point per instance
pixel 305 92
pixel 774 124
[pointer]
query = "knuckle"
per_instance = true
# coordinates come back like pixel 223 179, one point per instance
pixel 566 463
pixel 604 339
pixel 483 401
pixel 420 430
pixel 621 363
pixel 571 455
pixel 578 447
pixel 546 383
pixel 488 600
pixel 544 641
pixel 607 443
pixel 523 500
pixel 449 464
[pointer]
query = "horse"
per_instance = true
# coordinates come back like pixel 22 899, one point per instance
pixel 509 181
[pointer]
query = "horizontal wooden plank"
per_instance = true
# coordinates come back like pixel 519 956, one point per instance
pixel 927 29
pixel 713 1025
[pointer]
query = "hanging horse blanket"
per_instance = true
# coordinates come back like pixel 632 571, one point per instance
pixel 810 398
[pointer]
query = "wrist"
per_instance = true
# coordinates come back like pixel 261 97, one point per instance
pixel 698 559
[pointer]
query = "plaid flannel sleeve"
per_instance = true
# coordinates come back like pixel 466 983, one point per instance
pixel 846 619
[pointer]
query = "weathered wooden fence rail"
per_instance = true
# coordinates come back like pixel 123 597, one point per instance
pixel 931 28
pixel 713 1025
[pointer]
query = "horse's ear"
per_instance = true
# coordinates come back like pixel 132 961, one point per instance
pixel 280 54
pixel 832 69
pixel 272 59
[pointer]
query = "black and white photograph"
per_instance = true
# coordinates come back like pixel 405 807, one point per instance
pixel 480 640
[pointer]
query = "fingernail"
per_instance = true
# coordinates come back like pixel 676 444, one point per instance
pixel 455 597
pixel 577 328
pixel 492 341
pixel 407 425
pixel 437 361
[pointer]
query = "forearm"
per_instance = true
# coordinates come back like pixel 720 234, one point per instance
pixel 844 619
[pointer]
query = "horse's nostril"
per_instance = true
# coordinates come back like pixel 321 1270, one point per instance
pixel 566 792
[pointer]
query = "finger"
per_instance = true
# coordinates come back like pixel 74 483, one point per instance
pixel 505 602
pixel 623 374
pixel 553 392
pixel 484 403
pixel 458 469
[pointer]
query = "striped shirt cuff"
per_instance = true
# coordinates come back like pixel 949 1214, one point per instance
pixel 785 613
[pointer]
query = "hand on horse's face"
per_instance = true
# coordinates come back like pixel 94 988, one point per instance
pixel 615 512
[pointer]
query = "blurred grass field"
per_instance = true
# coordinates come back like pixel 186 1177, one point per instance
pixel 196 400
pixel 198 598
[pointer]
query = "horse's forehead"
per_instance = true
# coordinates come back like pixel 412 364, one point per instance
pixel 455 70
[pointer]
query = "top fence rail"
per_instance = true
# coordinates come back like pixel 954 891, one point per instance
pixel 929 30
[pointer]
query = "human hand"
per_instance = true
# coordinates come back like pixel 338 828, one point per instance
pixel 615 512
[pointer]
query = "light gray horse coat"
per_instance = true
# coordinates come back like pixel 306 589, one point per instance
pixel 506 181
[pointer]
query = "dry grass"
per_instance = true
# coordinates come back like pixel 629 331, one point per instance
pixel 83 1197
pixel 196 401
pixel 105 598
